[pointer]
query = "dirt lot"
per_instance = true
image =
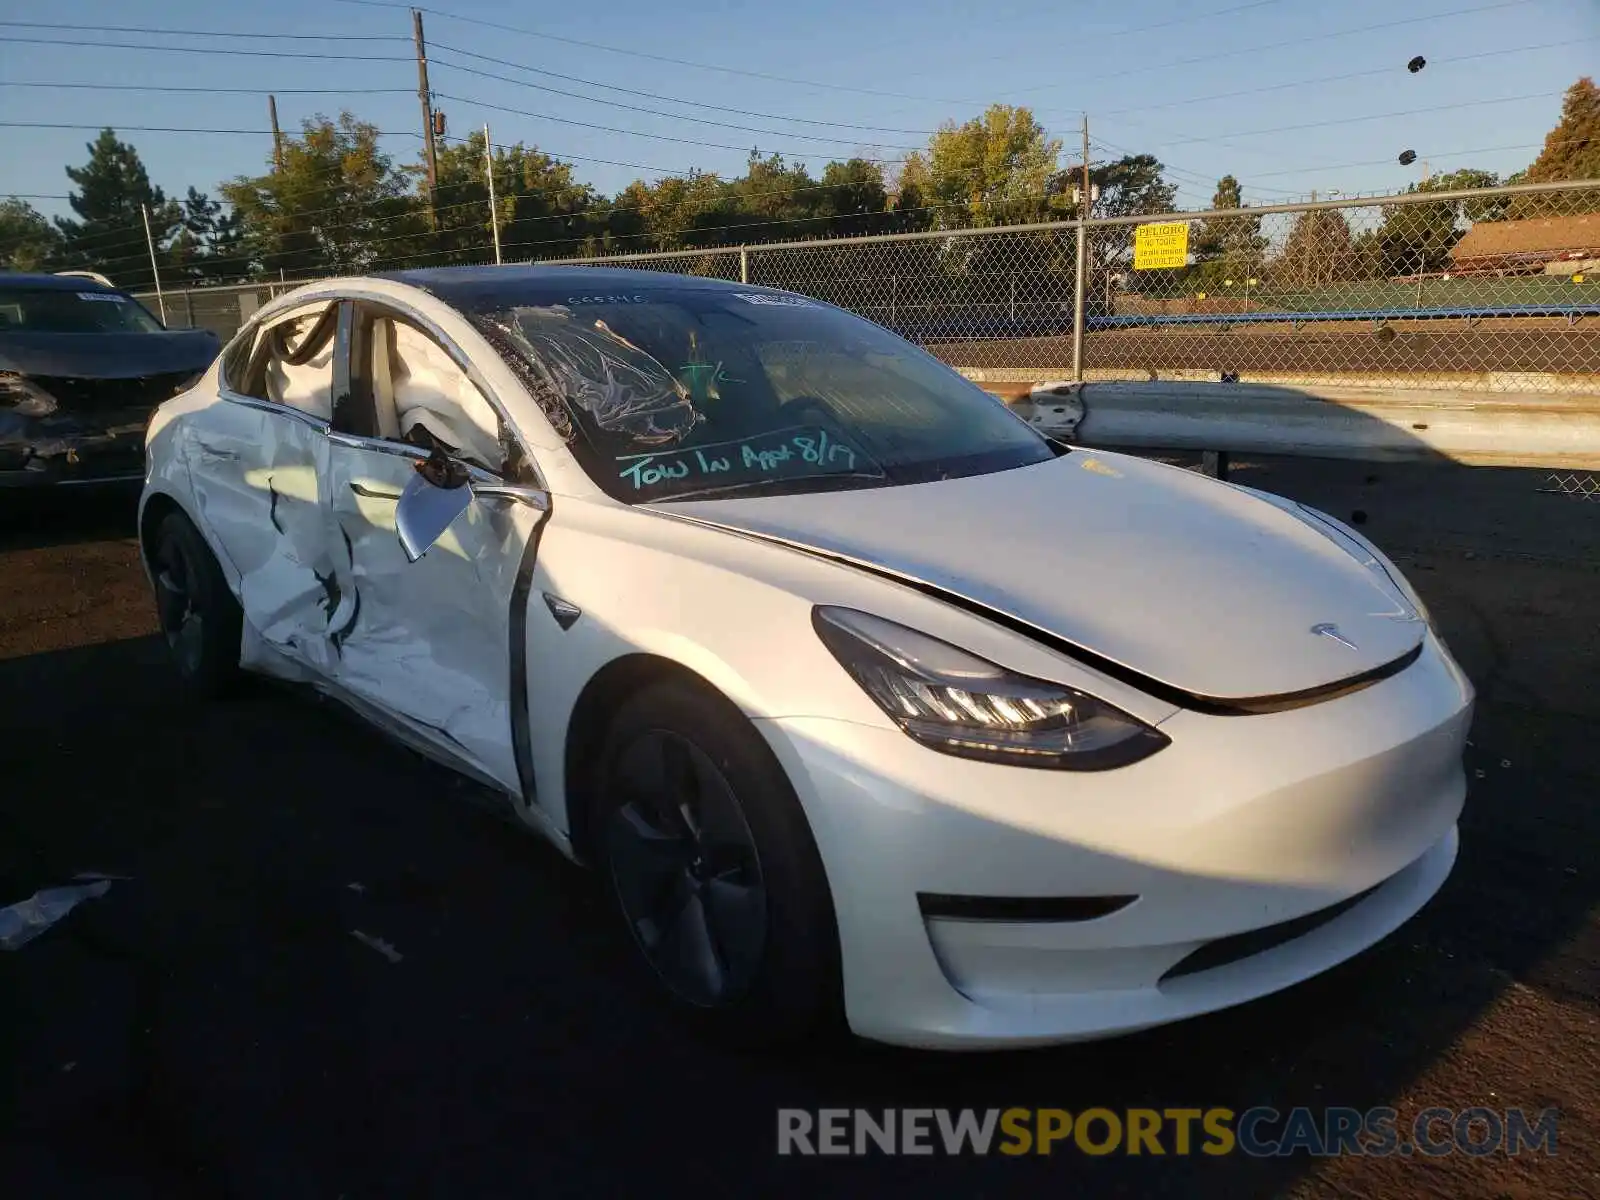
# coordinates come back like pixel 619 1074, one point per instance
pixel 212 1028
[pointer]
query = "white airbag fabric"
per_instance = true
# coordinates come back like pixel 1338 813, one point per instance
pixel 430 391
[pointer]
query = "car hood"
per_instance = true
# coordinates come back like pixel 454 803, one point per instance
pixel 107 355
pixel 1189 582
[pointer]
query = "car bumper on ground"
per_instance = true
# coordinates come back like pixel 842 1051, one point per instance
pixel 986 906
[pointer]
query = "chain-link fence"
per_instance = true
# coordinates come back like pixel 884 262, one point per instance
pixel 1492 290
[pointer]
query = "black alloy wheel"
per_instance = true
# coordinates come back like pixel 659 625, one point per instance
pixel 686 871
pixel 714 871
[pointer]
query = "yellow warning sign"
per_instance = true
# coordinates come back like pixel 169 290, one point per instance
pixel 1161 245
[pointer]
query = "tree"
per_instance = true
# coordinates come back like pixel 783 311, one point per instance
pixel 543 210
pixel 1416 239
pixel 1571 151
pixel 854 199
pixel 27 240
pixel 911 195
pixel 678 212
pixel 994 169
pixel 1226 248
pixel 1319 250
pixel 208 247
pixel 113 193
pixel 1134 185
pixel 1572 148
pixel 338 204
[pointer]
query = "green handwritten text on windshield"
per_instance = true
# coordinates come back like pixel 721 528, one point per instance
pixel 783 453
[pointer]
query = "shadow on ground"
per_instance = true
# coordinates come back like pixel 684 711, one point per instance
pixel 213 1027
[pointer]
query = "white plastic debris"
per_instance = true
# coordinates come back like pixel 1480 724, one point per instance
pixel 27 919
pixel 378 944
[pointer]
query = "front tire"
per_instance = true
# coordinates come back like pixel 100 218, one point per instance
pixel 713 870
pixel 199 617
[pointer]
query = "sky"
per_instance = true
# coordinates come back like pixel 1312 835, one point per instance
pixel 1290 96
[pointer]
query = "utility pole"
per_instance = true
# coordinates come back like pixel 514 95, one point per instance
pixel 494 211
pixel 277 138
pixel 1080 283
pixel 1087 198
pixel 423 94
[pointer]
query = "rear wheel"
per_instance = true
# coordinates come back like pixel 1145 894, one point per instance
pixel 199 617
pixel 713 870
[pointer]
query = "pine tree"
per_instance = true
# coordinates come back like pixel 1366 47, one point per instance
pixel 1226 248
pixel 113 189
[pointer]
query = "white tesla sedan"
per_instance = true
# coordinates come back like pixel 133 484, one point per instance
pixel 867 700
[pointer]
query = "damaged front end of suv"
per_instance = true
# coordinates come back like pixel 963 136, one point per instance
pixel 82 369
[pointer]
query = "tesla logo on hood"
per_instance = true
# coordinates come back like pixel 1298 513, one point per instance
pixel 1332 631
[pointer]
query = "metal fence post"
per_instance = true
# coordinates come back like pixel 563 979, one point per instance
pixel 188 307
pixel 494 212
pixel 155 271
pixel 744 265
pixel 1078 290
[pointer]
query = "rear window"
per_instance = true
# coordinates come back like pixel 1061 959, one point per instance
pixel 59 310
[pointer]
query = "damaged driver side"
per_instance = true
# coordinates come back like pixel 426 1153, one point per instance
pixel 437 508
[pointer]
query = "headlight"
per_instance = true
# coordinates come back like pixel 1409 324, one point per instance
pixel 1362 549
pixel 958 703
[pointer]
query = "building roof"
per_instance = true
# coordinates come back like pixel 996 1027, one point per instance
pixel 1554 236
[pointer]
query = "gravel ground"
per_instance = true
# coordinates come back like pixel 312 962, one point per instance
pixel 210 1027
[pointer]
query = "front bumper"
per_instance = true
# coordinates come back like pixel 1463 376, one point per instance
pixel 1242 823
pixel 101 453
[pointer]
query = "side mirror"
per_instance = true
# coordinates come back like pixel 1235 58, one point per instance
pixel 435 496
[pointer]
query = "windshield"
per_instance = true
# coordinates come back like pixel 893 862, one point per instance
pixel 681 393
pixel 56 310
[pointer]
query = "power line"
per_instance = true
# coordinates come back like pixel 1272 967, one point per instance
pixel 213 50
pixel 815 137
pixel 1297 41
pixel 1305 83
pixel 1432 155
pixel 165 128
pixel 1410 112
pixel 661 137
pixel 1120 33
pixel 744 112
pixel 305 37
pixel 682 62
pixel 220 91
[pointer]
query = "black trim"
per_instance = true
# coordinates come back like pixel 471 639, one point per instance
pixel 1240 946
pixel 521 732
pixel 1242 706
pixel 1018 909
pixel 353 410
